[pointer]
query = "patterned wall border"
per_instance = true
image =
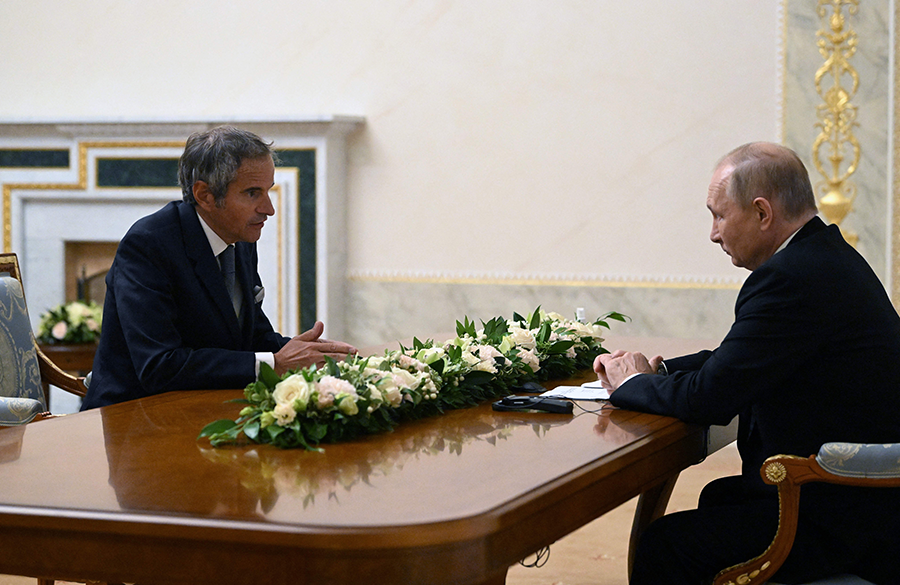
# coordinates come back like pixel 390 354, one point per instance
pixel 80 185
pixel 546 280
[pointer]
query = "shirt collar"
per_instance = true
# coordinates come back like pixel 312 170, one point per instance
pixel 787 241
pixel 217 244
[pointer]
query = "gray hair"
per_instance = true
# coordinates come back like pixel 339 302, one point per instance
pixel 765 169
pixel 214 157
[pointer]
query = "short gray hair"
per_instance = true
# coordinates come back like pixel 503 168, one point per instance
pixel 215 156
pixel 765 169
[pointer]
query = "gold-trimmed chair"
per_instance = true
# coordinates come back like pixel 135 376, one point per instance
pixel 850 464
pixel 23 366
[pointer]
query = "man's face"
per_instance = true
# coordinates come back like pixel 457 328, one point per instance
pixel 240 216
pixel 734 228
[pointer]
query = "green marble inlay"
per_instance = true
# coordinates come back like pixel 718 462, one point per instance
pixel 33 158
pixel 137 172
pixel 305 161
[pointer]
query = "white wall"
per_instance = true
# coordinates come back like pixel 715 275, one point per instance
pixel 503 139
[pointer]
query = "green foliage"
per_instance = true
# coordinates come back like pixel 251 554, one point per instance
pixel 365 395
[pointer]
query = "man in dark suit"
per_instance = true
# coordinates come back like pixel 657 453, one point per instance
pixel 813 356
pixel 183 302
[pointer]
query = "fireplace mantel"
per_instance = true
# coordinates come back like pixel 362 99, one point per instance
pixel 89 180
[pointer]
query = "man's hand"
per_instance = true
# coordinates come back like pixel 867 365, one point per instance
pixel 307 349
pixel 614 368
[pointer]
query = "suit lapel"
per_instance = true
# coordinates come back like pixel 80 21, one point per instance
pixel 206 268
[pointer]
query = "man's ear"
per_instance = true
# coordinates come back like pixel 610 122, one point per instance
pixel 203 196
pixel 762 210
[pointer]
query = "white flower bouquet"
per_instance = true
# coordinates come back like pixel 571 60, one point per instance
pixel 365 395
pixel 75 322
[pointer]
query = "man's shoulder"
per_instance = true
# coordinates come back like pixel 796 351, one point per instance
pixel 159 224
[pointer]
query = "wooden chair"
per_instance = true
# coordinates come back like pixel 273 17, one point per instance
pixel 24 366
pixel 851 464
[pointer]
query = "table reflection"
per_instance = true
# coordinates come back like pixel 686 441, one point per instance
pixel 339 468
pixel 11 443
pixel 146 480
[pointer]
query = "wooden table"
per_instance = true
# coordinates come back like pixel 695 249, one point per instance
pixel 126 493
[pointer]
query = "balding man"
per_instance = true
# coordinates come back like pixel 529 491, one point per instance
pixel 813 356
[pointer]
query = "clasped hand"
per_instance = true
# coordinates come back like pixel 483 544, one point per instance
pixel 616 367
pixel 307 349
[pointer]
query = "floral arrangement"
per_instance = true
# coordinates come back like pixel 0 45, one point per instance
pixel 365 395
pixel 75 322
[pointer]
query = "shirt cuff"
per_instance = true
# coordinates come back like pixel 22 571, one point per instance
pixel 631 376
pixel 264 357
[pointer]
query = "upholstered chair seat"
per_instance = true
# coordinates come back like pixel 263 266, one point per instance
pixel 21 393
pixel 24 369
pixel 851 464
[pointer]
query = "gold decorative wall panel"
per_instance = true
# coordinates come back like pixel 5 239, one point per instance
pixel 836 150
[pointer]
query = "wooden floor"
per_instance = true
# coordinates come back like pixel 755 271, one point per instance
pixel 595 554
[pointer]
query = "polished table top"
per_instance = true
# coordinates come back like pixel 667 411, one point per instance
pixel 450 499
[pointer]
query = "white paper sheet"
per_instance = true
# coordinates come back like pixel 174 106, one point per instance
pixel 588 391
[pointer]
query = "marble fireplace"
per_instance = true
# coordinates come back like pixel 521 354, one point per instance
pixel 71 190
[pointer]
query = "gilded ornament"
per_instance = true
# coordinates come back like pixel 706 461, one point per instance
pixel 776 472
pixel 837 43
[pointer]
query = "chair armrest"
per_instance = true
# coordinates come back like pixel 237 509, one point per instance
pixel 852 464
pixel 51 374
pixel 16 411
pixel 859 460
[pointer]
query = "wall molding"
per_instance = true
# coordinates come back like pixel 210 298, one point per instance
pixel 519 279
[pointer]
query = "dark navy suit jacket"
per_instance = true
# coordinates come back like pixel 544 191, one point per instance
pixel 813 356
pixel 168 322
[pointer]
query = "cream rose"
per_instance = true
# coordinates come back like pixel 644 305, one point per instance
pixel 293 391
pixel 284 414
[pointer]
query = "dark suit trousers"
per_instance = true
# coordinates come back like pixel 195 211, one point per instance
pixel 726 529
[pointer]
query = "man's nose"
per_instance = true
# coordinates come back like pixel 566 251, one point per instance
pixel 266 206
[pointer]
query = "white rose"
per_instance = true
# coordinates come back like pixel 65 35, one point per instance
pixel 284 414
pixel 374 393
pixel 293 391
pixel 470 358
pixel 581 330
pixel 404 379
pixel 393 394
pixel 486 366
pixel 522 337
pixel 529 358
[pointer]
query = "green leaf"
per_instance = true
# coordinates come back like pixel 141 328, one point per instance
pixel 332 367
pixel 543 334
pixel 268 376
pixel 561 346
pixel 251 429
pixel 535 318
pixel 465 328
pixel 495 329
pixel 217 427
pixel 479 377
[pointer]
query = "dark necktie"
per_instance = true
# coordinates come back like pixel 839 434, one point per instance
pixel 226 263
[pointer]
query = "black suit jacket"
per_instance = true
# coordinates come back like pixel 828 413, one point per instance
pixel 168 322
pixel 813 356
